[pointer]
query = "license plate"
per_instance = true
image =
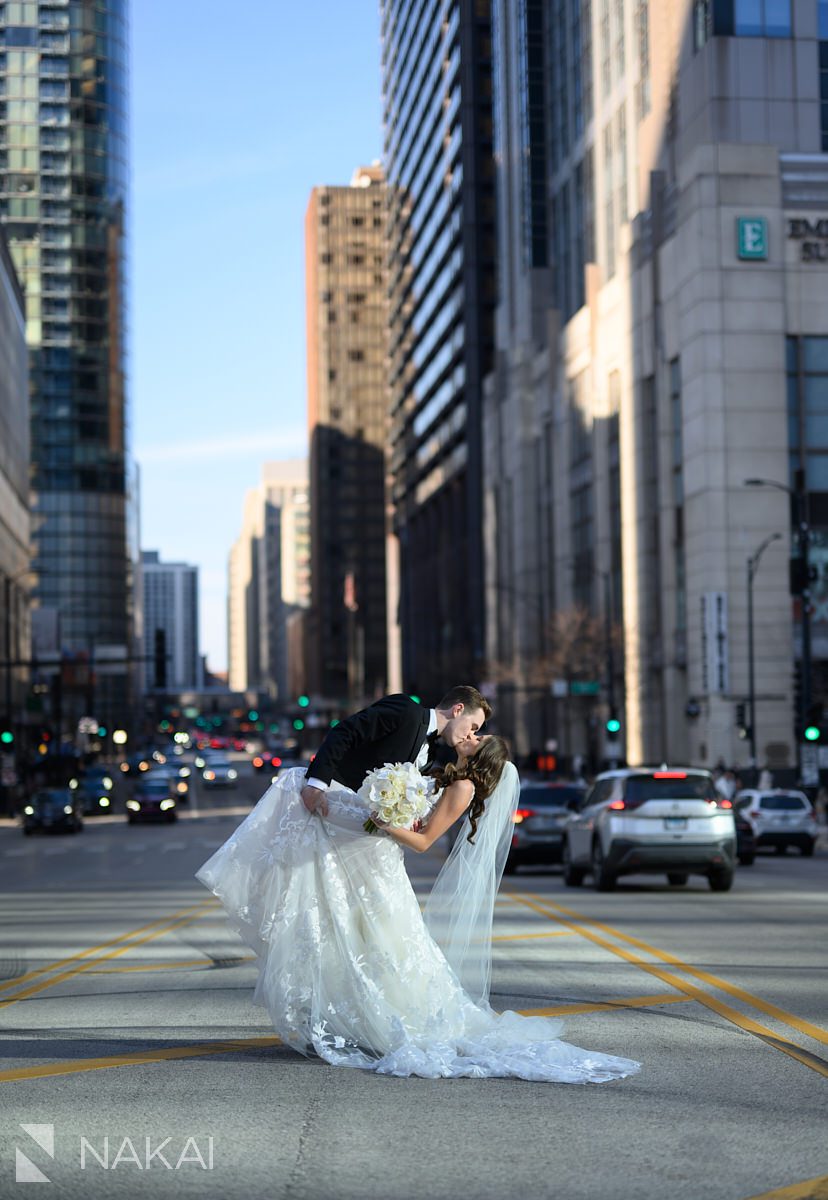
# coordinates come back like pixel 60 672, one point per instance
pixel 675 822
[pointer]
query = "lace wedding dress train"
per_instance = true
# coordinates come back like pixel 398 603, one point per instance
pixel 346 965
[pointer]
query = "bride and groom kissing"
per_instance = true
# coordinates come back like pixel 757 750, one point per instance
pixel 349 967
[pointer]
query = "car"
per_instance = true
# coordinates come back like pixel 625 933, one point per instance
pixel 53 810
pixel 650 819
pixel 152 800
pixel 543 810
pixel 218 772
pixel 779 818
pixel 745 840
pixel 94 787
pixel 267 760
pixel 137 764
pixel 177 777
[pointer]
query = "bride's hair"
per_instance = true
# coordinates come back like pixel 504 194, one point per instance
pixel 484 769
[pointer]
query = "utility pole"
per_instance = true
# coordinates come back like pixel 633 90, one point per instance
pixel 752 566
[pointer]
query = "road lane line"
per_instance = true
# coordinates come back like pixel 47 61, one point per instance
pixel 184 962
pixel 138 1057
pixel 724 1010
pixel 771 1010
pixel 517 937
pixel 166 927
pixel 809 1189
pixel 559 1010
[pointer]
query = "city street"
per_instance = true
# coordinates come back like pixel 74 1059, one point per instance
pixel 127 1020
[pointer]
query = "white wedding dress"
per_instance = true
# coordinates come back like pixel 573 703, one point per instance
pixel 347 968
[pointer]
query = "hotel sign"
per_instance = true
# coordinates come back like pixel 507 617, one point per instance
pixel 751 237
pixel 811 234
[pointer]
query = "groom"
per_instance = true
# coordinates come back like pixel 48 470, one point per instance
pixel 393 729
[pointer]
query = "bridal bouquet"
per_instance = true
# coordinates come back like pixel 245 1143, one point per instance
pixel 398 794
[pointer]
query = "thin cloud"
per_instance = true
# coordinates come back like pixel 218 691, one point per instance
pixel 291 442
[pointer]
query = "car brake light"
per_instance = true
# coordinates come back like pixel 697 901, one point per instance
pixel 721 803
pixel 522 813
pixel 275 762
pixel 258 762
pixel 617 805
pixel 669 774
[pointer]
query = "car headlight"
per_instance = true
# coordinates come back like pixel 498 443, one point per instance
pixel 67 808
pixel 199 762
pixel 181 788
pixel 107 782
pixel 73 783
pixel 143 765
pixel 103 801
pixel 133 805
pixel 209 774
pixel 28 810
pixel 125 767
pixel 231 774
pixel 184 772
pixel 165 804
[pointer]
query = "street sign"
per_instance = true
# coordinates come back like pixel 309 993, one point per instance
pixel 809 764
pixel 585 687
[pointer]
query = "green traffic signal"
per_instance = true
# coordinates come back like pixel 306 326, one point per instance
pixel 613 725
pixel 303 701
pixel 252 715
pixel 7 737
pixel 298 723
pixel 812 733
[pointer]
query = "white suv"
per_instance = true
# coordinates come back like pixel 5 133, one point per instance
pixel 651 819
pixel 779 818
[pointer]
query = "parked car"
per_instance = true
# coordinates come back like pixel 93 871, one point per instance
pixel 94 788
pixel 218 772
pixel 779 818
pixel 177 777
pixel 53 810
pixel 745 840
pixel 651 819
pixel 152 800
pixel 542 813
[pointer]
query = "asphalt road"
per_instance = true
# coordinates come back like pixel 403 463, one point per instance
pixel 126 1016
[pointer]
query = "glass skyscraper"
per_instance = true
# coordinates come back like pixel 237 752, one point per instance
pixel 437 96
pixel 63 192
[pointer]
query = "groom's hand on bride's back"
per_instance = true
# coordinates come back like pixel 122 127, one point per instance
pixel 315 800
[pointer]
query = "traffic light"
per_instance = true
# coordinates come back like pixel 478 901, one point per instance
pixel 812 731
pixel 742 727
pixel 160 658
pixel 613 725
pixel 6 738
pixel 303 701
pixel 252 715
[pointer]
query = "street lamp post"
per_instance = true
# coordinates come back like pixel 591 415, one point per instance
pixel 752 567
pixel 800 497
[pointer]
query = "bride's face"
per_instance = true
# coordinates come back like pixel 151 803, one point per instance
pixel 469 746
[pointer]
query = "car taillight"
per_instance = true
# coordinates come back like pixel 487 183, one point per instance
pixel 522 813
pixel 669 774
pixel 275 762
pixel 617 805
pixel 258 762
pixel 754 812
pixel 629 803
pixel 721 803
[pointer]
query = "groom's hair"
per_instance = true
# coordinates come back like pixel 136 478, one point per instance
pixel 467 696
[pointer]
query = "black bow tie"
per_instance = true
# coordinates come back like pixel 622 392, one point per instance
pixel 433 739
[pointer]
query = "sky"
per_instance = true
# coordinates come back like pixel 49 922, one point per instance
pixel 237 111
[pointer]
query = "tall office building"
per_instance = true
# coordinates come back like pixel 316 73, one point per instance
pixel 269 584
pixel 345 244
pixel 676 350
pixel 14 497
pixel 170 605
pixel 437 97
pixel 63 193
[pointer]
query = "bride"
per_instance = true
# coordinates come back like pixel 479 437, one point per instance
pixel 348 966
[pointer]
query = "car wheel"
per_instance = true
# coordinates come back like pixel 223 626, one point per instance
pixel 721 880
pixel 572 876
pixel 746 860
pixel 807 851
pixel 677 878
pixel 603 879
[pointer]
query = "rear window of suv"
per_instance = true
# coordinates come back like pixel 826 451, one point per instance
pixel 782 803
pixel 668 786
pixel 552 797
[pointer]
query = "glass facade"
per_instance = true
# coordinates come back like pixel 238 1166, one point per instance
pixel 63 192
pixel 437 89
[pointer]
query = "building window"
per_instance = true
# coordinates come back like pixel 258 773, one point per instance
pixel 326 259
pixel 356 356
pixel 808 411
pixel 822 50
pixel 751 18
pixel 642 29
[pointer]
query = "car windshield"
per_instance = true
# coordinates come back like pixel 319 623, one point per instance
pixel 52 799
pixel 668 785
pixel 783 803
pixel 543 796
pixel 153 787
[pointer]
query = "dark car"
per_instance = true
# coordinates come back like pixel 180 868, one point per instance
pixel 152 800
pixel 745 839
pixel 542 813
pixel 95 790
pixel 55 810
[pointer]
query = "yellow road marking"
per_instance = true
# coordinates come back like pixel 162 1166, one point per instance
pixel 724 1010
pixel 810 1030
pixel 166 1054
pixel 64 975
pixel 811 1189
pixel 64 962
pixel 139 1056
pixel 165 966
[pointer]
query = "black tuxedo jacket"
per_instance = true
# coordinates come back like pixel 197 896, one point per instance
pixel 392 729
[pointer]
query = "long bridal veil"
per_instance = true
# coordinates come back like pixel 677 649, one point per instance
pixel 460 909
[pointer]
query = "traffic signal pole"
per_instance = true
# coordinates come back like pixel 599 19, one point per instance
pixel 752 567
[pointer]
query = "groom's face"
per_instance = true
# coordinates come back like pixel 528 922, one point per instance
pixel 463 725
